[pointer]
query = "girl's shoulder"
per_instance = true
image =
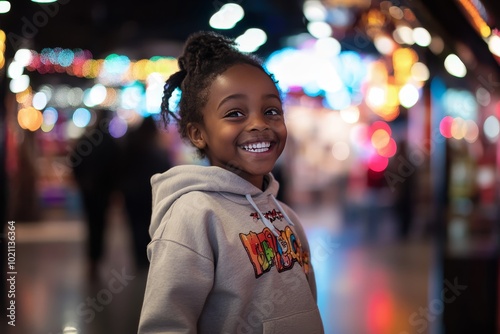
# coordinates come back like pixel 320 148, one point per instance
pixel 198 199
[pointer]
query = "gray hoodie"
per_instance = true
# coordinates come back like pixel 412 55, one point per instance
pixel 225 258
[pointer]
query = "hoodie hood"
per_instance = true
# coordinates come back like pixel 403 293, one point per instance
pixel 167 187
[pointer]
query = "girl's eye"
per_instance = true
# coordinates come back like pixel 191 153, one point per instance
pixel 273 112
pixel 234 113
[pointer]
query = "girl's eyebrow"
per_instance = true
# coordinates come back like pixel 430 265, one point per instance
pixel 238 96
pixel 241 96
pixel 271 96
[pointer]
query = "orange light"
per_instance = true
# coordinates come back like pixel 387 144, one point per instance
pixel 30 118
pixel 458 128
pixel 380 139
pixel 389 150
pixel 403 60
pixel 475 18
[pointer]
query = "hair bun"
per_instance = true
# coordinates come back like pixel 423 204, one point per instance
pixel 204 46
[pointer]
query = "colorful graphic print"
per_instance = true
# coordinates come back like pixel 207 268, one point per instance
pixel 265 251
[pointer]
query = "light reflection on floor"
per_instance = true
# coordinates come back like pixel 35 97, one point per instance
pixel 365 286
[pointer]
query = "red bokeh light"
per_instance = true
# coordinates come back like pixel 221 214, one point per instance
pixel 378 163
pixel 445 126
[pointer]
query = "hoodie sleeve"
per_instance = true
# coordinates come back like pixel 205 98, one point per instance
pixel 180 277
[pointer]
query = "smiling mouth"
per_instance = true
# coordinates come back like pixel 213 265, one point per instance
pixel 257 147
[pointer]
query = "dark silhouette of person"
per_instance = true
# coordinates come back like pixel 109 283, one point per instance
pixel 405 192
pixel 279 175
pixel 94 160
pixel 142 158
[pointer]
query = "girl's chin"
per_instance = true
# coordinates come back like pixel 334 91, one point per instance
pixel 248 173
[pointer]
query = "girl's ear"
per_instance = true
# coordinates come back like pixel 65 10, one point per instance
pixel 195 135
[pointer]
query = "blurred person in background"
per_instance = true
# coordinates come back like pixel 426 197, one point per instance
pixel 94 160
pixel 142 158
pixel 281 176
pixel 404 189
pixel 377 198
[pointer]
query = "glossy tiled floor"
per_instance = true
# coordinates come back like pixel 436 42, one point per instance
pixel 365 286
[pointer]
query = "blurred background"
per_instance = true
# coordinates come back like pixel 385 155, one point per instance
pixel 392 160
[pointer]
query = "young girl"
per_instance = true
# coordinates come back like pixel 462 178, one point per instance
pixel 226 257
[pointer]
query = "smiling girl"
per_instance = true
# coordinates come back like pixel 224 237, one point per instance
pixel 225 255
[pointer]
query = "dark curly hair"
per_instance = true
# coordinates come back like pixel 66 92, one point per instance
pixel 206 55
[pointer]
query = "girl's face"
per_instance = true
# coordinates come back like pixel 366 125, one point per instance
pixel 243 127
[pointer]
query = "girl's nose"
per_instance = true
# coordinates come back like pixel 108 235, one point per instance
pixel 258 122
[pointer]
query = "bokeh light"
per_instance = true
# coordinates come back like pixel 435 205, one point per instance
pixel 350 115
pixel 50 116
pixel 341 151
pixel 380 138
pixel 388 150
pixel 420 72
pixel 61 96
pixel 117 127
pixel 15 69
pixel 408 95
pixel 378 163
pixel 455 66
pixel 376 97
pixel 491 128
pixel 19 83
pixel 421 36
pixel 445 126
pixel 319 29
pixel 314 10
pixel 403 35
pixel 384 44
pixel 75 96
pixel 437 45
pixel 95 95
pixel 4 6
pixel 251 40
pixel 327 47
pixel 494 44
pixel 227 16
pixel 30 118
pixel 472 132
pixel 81 117
pixel 458 128
pixel 483 96
pixel 40 100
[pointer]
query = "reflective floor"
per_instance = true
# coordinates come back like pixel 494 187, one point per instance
pixel 368 281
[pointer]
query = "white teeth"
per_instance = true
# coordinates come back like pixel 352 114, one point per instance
pixel 257 147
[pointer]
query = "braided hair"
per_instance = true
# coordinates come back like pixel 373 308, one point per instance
pixel 206 55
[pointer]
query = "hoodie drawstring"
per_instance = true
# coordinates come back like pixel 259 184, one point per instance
pixel 288 220
pixel 264 219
